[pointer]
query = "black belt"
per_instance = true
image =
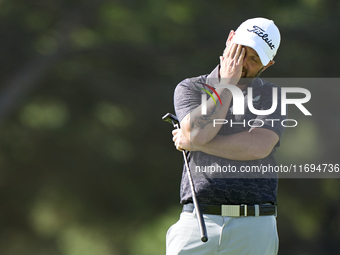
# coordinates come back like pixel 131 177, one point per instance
pixel 234 210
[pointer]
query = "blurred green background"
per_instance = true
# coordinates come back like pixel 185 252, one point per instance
pixel 86 164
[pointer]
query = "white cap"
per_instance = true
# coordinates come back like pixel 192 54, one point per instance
pixel 260 34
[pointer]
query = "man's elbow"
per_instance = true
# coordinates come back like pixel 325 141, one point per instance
pixel 261 152
pixel 263 143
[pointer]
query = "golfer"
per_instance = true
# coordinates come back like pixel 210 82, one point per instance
pixel 226 150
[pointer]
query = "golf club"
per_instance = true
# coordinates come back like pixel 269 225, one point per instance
pixel 204 236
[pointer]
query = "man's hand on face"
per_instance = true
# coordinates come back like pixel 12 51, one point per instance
pixel 231 63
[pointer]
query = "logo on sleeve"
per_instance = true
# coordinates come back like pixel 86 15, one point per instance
pixel 213 90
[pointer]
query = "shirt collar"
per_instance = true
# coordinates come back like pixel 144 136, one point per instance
pixel 214 76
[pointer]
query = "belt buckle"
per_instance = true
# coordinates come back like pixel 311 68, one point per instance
pixel 230 210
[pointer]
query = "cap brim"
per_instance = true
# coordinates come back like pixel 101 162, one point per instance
pixel 252 44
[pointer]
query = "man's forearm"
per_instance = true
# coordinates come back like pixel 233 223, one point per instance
pixel 252 145
pixel 199 128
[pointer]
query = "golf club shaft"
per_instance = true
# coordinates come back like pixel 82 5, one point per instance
pixel 201 223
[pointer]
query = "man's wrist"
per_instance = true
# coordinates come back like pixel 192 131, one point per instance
pixel 229 81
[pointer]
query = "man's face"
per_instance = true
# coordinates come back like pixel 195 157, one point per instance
pixel 252 65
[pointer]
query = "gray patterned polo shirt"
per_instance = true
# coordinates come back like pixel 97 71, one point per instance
pixel 223 181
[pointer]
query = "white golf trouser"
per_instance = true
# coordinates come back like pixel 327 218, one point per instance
pixel 226 236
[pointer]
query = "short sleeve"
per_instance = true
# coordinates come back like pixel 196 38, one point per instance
pixel 187 97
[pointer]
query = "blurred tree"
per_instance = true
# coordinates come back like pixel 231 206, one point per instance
pixel 87 165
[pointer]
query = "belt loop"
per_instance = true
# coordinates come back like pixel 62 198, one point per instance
pixel 257 210
pixel 245 210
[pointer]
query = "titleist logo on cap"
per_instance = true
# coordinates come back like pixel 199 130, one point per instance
pixel 260 32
